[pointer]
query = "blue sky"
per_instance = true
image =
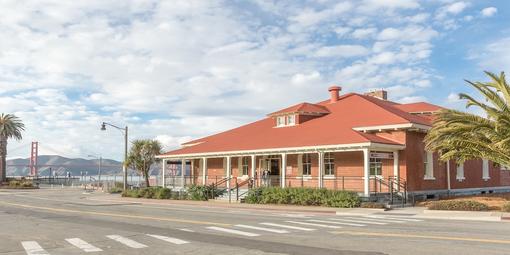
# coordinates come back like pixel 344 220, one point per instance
pixel 177 70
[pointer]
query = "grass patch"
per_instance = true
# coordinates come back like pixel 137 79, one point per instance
pixel 458 205
pixel 303 196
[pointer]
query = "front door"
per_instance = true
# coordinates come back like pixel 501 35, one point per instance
pixel 273 165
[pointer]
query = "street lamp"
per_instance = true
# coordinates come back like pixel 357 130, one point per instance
pixel 125 132
pixel 100 163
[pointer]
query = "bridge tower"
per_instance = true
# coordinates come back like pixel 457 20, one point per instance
pixel 33 159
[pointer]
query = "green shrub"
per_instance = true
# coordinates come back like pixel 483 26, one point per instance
pixel 458 205
pixel 198 193
pixel 506 207
pixel 115 190
pixel 302 196
pixel 163 193
pixel 373 205
pixel 23 183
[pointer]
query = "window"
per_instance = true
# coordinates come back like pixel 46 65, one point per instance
pixel 280 121
pixel 485 170
pixel 307 164
pixel 460 171
pixel 329 164
pixel 291 120
pixel 245 166
pixel 428 162
pixel 375 166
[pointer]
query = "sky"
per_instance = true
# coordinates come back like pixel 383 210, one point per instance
pixel 178 70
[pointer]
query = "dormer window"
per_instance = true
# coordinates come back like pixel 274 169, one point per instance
pixel 280 121
pixel 291 120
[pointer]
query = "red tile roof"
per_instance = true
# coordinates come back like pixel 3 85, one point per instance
pixel 335 128
pixel 419 107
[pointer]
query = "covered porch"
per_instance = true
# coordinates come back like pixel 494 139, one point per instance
pixel 360 168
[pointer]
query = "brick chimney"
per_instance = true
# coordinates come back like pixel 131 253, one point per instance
pixel 381 94
pixel 334 92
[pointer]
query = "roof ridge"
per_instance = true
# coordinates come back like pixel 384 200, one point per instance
pixel 394 110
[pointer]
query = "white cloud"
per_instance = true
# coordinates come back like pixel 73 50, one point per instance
pixel 489 11
pixel 494 56
pixel 363 33
pixel 344 51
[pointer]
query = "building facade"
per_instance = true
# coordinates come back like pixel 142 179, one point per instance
pixel 357 142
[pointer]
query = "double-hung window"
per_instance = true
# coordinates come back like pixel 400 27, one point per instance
pixel 280 121
pixel 245 166
pixel 291 120
pixel 307 164
pixel 375 166
pixel 329 164
pixel 428 163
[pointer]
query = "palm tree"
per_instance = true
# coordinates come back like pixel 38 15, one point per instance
pixel 463 136
pixel 10 127
pixel 142 156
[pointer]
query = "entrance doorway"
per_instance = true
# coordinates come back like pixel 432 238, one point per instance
pixel 273 165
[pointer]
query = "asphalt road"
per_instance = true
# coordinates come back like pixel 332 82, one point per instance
pixel 71 222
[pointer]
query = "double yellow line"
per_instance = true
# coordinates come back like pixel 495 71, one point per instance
pixel 140 217
pixel 447 238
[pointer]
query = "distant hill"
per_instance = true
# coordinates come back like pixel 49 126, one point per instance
pixel 62 165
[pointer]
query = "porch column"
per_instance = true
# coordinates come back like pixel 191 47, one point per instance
pixel 253 166
pixel 321 168
pixel 396 172
pixel 183 170
pixel 163 182
pixel 229 174
pixel 192 171
pixel 366 171
pixel 204 171
pixel 284 169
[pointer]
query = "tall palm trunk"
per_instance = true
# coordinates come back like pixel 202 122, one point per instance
pixel 3 161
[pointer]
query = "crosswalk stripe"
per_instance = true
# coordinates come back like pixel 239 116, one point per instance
pixel 233 231
pixel 187 230
pixel 126 241
pixel 360 221
pixel 169 239
pixel 33 248
pixel 394 218
pixel 86 247
pixel 286 226
pixel 312 224
pixel 279 231
pixel 383 220
pixel 339 223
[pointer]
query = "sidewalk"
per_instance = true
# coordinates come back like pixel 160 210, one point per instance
pixel 414 212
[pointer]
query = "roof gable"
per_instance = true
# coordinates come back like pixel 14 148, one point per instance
pixel 302 108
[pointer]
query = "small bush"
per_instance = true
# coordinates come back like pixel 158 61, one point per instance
pixel 373 205
pixel 303 196
pixel 458 205
pixel 506 207
pixel 20 184
pixel 114 190
pixel 198 193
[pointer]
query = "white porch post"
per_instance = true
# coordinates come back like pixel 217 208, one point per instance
pixel 321 168
pixel 204 171
pixel 228 176
pixel 366 168
pixel 163 181
pixel 192 171
pixel 396 171
pixel 253 165
pixel 183 171
pixel 284 169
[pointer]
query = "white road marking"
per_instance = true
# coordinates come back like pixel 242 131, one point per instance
pixel 313 224
pixel 33 248
pixel 338 223
pixel 232 231
pixel 360 221
pixel 279 231
pixel 384 220
pixel 394 218
pixel 286 226
pixel 86 247
pixel 187 230
pixel 126 241
pixel 169 239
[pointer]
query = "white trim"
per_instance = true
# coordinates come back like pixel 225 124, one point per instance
pixel 429 178
pixel 392 127
pixel 366 171
pixel 291 150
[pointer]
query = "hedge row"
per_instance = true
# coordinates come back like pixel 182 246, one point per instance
pixel 303 196
pixel 458 205
pixel 21 184
pixel 193 192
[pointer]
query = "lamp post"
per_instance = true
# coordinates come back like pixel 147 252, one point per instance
pixel 125 132
pixel 100 164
